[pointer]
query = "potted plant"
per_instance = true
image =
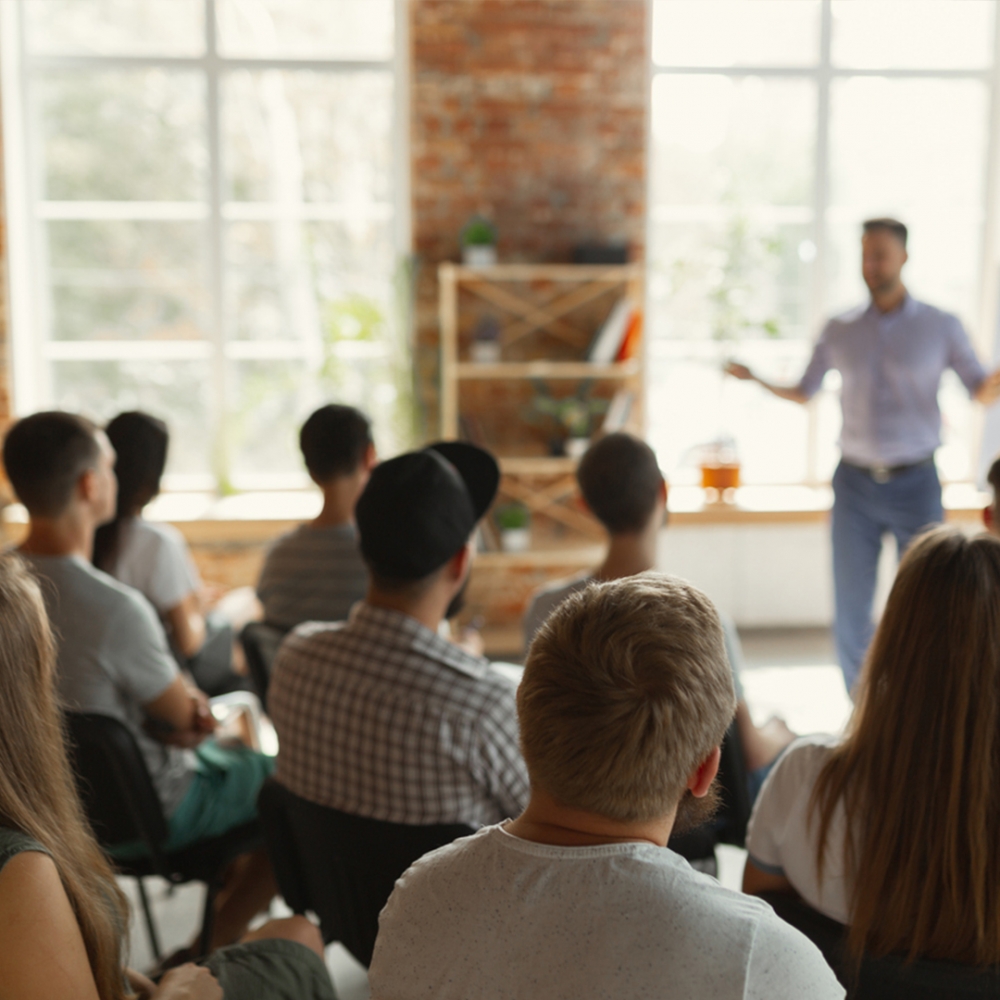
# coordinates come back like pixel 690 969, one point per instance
pixel 573 417
pixel 485 347
pixel 479 242
pixel 514 524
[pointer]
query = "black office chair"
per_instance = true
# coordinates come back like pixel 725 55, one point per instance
pixel 260 644
pixel 339 866
pixel 122 806
pixel 888 978
pixel 729 826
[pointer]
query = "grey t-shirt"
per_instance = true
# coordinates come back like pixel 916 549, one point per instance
pixel 312 574
pixel 548 598
pixel 493 916
pixel 112 659
pixel 154 558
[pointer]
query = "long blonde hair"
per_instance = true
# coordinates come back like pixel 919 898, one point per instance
pixel 37 793
pixel 919 771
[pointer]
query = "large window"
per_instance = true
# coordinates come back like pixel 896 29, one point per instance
pixel 777 127
pixel 208 224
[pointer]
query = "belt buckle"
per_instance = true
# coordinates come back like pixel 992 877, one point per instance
pixel 881 473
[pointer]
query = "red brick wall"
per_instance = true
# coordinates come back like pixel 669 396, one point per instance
pixel 532 113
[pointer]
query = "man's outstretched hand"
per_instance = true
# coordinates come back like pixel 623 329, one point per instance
pixel 738 371
pixel 989 392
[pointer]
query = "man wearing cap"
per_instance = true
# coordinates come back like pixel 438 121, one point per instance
pixel 379 716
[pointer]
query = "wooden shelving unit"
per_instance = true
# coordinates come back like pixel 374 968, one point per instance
pixel 547 316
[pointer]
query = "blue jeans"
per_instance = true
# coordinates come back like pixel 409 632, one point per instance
pixel 863 511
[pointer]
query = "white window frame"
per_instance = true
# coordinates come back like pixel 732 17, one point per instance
pixel 31 349
pixel 823 73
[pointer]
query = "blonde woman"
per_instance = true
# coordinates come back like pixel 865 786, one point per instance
pixel 895 830
pixel 62 916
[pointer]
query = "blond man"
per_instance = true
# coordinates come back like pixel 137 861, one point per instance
pixel 625 698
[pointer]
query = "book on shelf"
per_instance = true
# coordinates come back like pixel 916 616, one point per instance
pixel 608 340
pixel 618 411
pixel 633 335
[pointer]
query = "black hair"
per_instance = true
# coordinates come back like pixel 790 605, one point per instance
pixel 45 455
pixel 886 225
pixel 334 441
pixel 140 442
pixel 621 482
pixel 993 476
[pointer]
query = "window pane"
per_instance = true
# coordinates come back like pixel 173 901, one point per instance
pixel 733 142
pixel 175 391
pixel 306 29
pixel 923 34
pixel 284 277
pixel 116 27
pixel 915 149
pixel 302 136
pixel 125 280
pixel 122 135
pixel 735 32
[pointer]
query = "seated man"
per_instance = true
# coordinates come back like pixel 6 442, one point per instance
pixel 625 698
pixel 113 657
pixel 624 489
pixel 316 573
pixel 380 716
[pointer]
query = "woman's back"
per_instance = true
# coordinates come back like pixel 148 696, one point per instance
pixel 917 778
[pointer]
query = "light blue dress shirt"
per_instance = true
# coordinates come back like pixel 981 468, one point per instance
pixel 891 366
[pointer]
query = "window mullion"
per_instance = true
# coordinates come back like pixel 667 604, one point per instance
pixel 218 407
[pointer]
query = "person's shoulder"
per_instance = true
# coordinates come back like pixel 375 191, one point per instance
pixel 452 859
pixel 84 584
pixel 312 641
pixel 846 319
pixel 806 755
pixel 158 534
pixel 935 316
pixel 559 590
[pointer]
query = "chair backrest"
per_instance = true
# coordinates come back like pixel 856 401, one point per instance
pixel 114 783
pixel 342 867
pixel 888 978
pixel 260 643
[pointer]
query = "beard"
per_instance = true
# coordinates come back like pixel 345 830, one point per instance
pixel 693 813
pixel 457 602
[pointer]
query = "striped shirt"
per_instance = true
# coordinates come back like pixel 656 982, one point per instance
pixel 381 717
pixel 312 574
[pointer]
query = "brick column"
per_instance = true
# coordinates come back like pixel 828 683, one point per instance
pixel 532 113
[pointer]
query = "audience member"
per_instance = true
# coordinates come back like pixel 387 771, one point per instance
pixel 62 914
pixel 991 516
pixel 316 573
pixel 895 829
pixel 380 716
pixel 154 558
pixel 623 487
pixel 113 656
pixel 625 698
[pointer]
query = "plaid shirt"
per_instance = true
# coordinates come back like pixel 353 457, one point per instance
pixel 380 717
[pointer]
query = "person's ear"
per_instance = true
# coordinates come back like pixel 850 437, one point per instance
pixel 458 565
pixel 988 517
pixel 86 486
pixel 663 492
pixel 906 257
pixel 701 778
pixel 371 458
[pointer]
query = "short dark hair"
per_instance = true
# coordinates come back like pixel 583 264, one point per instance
pixel 334 441
pixel 886 225
pixel 993 476
pixel 45 454
pixel 621 482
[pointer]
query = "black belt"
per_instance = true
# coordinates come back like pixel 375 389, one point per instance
pixel 885 473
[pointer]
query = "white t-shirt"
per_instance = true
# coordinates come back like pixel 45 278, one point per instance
pixel 780 839
pixel 493 916
pixel 154 558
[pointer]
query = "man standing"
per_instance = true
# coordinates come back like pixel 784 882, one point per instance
pixel 891 355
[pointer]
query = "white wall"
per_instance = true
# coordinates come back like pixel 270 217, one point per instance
pixel 770 575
